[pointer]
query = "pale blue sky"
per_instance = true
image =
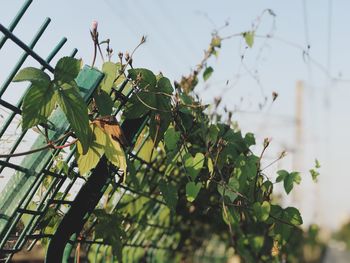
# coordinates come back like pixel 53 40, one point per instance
pixel 179 31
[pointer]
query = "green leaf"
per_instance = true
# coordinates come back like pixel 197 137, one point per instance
pixel 171 138
pixel 249 139
pixel 104 103
pixel 153 99
pixel 262 211
pixel 256 243
pixel 213 133
pixel 231 217
pixel 90 159
pixel 281 230
pixel 62 165
pixel 282 216
pixel 317 164
pixel 110 70
pixel 249 38
pixel 292 215
pixel 192 190
pixel 207 73
pixel 198 162
pixel 193 165
pixel 134 109
pixel 289 214
pixel 210 166
pixel 281 175
pixel 169 193
pixel 164 85
pixel 115 153
pixel 34 75
pixel 288 179
pixel 76 111
pixel 38 104
pixel 314 174
pixel 229 190
pixel 50 219
pixel 110 229
pixel 248 165
pixel 146 79
pixel 216 41
pixel 233 184
pixel 267 188
pixel 67 69
pixel 225 191
pixel 146 150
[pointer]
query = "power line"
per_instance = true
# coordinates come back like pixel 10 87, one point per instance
pixel 141 13
pixel 187 41
pixel 123 14
pixel 307 38
pixel 329 37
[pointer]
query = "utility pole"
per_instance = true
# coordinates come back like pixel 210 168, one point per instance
pixel 298 148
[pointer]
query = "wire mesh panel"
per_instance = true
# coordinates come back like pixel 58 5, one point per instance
pixel 30 187
pixel 34 191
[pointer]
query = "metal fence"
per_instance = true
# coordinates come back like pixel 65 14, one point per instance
pixel 35 189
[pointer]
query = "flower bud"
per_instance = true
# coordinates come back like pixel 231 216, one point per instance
pixel 157 118
pixel 94 26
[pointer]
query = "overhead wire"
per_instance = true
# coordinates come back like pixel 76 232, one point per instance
pixel 166 39
pixel 307 37
pixel 173 58
pixel 124 15
pixel 186 42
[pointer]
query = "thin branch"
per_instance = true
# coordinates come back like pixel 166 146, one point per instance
pixel 283 222
pixel 143 40
pixel 47 146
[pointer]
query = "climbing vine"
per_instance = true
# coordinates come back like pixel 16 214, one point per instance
pixel 208 183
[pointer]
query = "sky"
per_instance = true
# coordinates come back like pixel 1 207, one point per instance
pixel 177 34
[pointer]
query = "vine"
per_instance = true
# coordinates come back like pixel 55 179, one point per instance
pixel 208 177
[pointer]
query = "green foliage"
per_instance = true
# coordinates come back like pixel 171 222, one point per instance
pixel 193 165
pixel 216 41
pixel 343 234
pixel 262 211
pixel 43 95
pixel 38 104
pixel 171 139
pixel 229 190
pixel 94 153
pixel 67 69
pixel 289 179
pixel 34 75
pixel 315 171
pixel 115 153
pixel 144 77
pixel 207 73
pixel 75 109
pixel 104 103
pixel 213 167
pixel 249 38
pixel 110 230
pixel 192 175
pixel 192 190
pixel 102 143
pixel 154 96
pixel 110 70
pixel 169 193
